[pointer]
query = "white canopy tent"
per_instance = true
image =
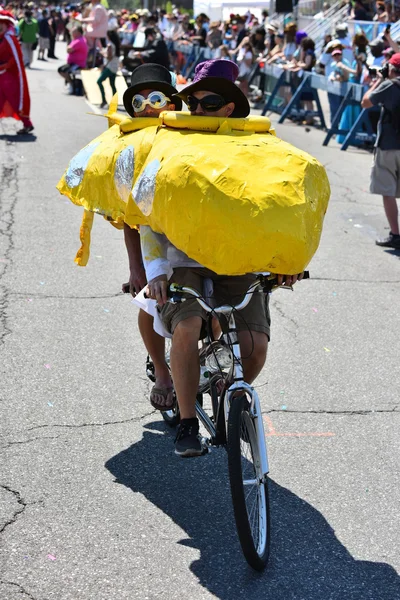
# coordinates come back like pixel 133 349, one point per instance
pixel 220 11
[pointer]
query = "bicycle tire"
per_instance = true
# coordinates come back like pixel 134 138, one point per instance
pixel 254 533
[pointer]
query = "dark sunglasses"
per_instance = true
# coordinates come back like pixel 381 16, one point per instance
pixel 210 103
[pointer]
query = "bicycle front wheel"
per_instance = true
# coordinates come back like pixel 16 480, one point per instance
pixel 249 487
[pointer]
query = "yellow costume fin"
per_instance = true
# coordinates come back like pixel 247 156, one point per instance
pixel 112 113
pixel 82 256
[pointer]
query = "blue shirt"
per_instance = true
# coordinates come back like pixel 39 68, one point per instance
pixel 44 28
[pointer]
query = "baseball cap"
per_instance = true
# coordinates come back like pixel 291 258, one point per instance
pixel 395 60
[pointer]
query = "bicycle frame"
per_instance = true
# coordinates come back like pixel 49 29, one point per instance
pixel 240 385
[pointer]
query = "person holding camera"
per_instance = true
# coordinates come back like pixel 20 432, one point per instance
pixel 385 175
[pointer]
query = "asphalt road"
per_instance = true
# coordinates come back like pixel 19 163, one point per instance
pixel 93 503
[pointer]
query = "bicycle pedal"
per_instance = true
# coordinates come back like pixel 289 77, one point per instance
pixel 205 445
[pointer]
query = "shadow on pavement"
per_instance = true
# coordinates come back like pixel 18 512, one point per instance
pixel 393 252
pixel 18 138
pixel 307 560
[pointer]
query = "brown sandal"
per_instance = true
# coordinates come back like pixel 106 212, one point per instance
pixel 164 392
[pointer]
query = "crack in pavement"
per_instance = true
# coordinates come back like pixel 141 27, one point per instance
pixel 8 201
pixel 22 506
pixel 333 412
pixel 81 425
pixel 20 588
pixel 63 297
pixel 28 441
pixel 336 279
pixel 278 306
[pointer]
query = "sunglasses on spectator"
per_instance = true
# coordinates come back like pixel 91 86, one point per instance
pixel 155 100
pixel 210 103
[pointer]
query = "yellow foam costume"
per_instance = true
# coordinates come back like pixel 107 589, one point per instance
pixel 227 192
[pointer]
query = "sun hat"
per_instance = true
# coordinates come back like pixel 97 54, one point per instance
pixel 150 76
pixel 272 27
pixel 336 52
pixel 219 76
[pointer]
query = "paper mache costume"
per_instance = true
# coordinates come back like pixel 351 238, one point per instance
pixel 227 192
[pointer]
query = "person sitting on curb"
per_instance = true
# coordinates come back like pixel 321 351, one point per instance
pixel 77 56
pixel 149 94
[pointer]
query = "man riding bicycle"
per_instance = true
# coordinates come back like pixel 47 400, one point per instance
pixel 212 93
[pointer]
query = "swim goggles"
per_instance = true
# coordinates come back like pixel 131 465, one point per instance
pixel 210 103
pixel 155 100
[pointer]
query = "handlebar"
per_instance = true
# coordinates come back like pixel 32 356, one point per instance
pixel 268 284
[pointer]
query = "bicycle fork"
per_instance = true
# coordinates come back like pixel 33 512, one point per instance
pixel 255 408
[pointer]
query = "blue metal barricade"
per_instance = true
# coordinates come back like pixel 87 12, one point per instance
pixel 276 79
pixel 195 56
pixel 351 95
pixel 356 130
pixel 305 87
pixel 361 124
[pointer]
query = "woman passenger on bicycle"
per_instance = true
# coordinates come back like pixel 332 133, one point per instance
pixel 150 94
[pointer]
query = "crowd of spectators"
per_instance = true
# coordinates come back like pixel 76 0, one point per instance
pixel 109 39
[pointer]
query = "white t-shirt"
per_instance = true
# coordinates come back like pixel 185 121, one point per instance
pixel 244 69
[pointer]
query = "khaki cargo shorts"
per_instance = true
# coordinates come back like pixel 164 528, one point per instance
pixel 227 290
pixel 385 174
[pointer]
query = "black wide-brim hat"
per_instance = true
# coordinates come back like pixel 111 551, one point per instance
pixel 150 76
pixel 218 76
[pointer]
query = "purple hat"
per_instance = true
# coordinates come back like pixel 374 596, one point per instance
pixel 300 35
pixel 219 76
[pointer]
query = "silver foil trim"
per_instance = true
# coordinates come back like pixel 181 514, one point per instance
pixel 145 188
pixel 77 166
pixel 123 174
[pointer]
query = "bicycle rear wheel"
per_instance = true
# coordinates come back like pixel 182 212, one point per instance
pixel 249 487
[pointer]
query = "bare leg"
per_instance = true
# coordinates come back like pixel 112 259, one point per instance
pixel 67 77
pixel 155 346
pixel 392 213
pixel 185 364
pixel 253 348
